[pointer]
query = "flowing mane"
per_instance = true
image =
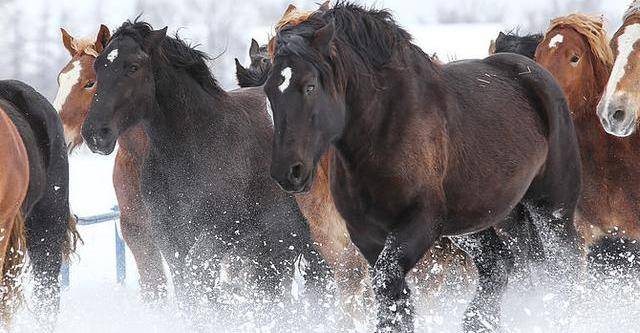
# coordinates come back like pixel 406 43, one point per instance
pixel 176 53
pixel 368 37
pixel 592 29
pixel 633 10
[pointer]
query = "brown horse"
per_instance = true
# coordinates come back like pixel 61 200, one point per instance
pixel 576 51
pixel 619 107
pixel 329 232
pixel 419 151
pixel 77 84
pixel 14 182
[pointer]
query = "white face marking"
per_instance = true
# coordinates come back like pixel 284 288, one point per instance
pixel 112 55
pixel 557 39
pixel 269 110
pixel 286 73
pixel 625 47
pixel 67 81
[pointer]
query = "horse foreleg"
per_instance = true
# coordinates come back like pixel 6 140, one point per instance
pixel 402 250
pixel 136 233
pixel 492 259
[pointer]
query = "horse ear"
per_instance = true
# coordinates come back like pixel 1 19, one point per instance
pixel 155 39
pixel 239 67
pixel 254 49
pixel 289 9
pixel 325 6
pixel 492 47
pixel 102 39
pixel 323 37
pixel 501 35
pixel 67 41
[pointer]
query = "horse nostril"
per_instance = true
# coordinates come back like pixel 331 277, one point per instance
pixel 295 173
pixel 618 115
pixel 104 132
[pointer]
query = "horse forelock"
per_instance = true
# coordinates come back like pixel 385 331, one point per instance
pixel 592 29
pixel 173 52
pixel 85 46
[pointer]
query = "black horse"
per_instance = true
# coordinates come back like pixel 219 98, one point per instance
pixel 423 150
pixel 205 179
pixel 258 71
pixel 511 42
pixel 46 206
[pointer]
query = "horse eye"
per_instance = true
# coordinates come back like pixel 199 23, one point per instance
pixel 575 59
pixel 89 84
pixel 133 68
pixel 309 89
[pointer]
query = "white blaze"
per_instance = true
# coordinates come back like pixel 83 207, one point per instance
pixel 557 39
pixel 625 47
pixel 112 55
pixel 286 73
pixel 67 80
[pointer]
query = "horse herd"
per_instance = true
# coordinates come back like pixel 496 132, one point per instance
pixel 347 155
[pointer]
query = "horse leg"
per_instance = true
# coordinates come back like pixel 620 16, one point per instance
pixel 519 234
pixel 12 248
pixel 350 273
pixel 46 230
pixel 135 231
pixel 492 260
pixel 402 249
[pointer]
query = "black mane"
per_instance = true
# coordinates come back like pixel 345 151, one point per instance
pixel 512 42
pixel 174 52
pixel 371 47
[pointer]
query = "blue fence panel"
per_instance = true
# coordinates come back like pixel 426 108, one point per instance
pixel 121 267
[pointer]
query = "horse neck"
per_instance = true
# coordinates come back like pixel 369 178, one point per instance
pixel 183 109
pixel 371 116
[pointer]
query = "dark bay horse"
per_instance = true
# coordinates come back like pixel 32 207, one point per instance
pixel 511 42
pixel 49 228
pixel 420 151
pixel 77 84
pixel 576 51
pixel 205 179
pixel 258 70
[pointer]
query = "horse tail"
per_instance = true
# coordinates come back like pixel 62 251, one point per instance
pixel 616 252
pixel 71 239
pixel 14 263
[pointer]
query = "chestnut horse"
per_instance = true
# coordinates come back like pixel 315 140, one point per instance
pixel 256 74
pixel 14 182
pixel 77 84
pixel 49 229
pixel 576 51
pixel 419 151
pixel 619 107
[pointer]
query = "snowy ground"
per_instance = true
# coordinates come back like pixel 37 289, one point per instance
pixel 95 303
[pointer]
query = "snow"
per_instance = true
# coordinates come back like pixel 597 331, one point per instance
pixel 95 303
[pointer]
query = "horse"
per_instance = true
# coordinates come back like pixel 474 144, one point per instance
pixel 618 107
pixel 256 74
pixel 77 84
pixel 49 235
pixel 329 233
pixel 205 178
pixel 419 151
pixel 14 182
pixel 513 43
pixel 576 51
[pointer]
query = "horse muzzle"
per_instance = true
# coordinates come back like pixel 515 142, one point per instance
pixel 296 178
pixel 101 140
pixel 618 118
